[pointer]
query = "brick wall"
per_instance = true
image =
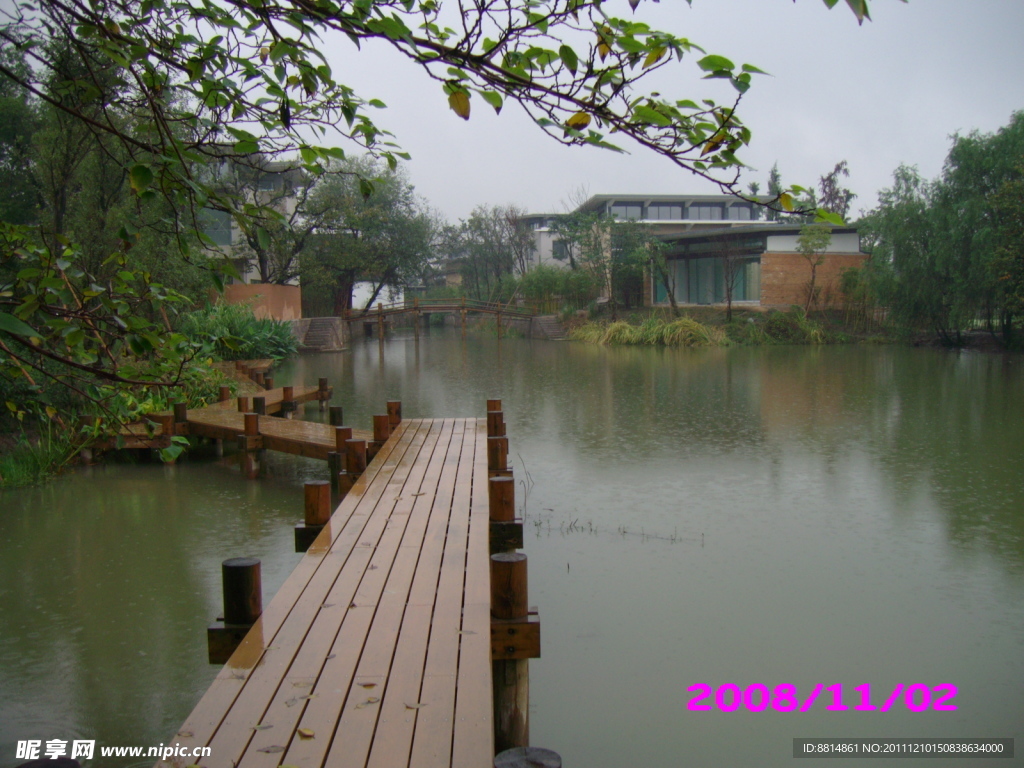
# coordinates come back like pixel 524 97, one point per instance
pixel 784 277
pixel 281 302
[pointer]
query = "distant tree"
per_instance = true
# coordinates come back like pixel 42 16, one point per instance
pixel 813 241
pixel 775 190
pixel 835 198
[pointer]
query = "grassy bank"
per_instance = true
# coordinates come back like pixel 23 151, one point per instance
pixel 749 328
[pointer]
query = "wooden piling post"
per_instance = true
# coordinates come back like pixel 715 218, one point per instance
pixel 506 533
pixel 259 406
pixel 249 442
pixel 394 408
pixel 510 676
pixel 316 515
pixel 288 404
pixel 268 382
pixel 355 457
pixel 180 414
pixel 495 424
pixel 223 394
pixel 497 454
pixel 499 322
pixel 340 481
pixel 380 322
pixel 243 404
pixel 417 317
pixel 381 433
pixel 335 416
pixel 323 392
pixel 243 604
pixel 258 378
pixel 493 405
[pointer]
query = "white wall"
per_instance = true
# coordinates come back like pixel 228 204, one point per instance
pixel 361 293
pixel 848 242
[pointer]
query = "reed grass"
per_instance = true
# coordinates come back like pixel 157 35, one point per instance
pixel 32 460
pixel 653 331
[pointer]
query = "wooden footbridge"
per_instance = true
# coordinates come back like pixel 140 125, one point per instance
pixel 420 308
pixel 403 635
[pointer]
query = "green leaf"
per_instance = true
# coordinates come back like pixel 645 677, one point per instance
pixel 712 63
pixel 828 217
pixel 494 99
pixel 263 238
pixel 654 57
pixel 365 187
pixel 11 324
pixel 140 177
pixel 569 58
pixel 459 103
pixel 654 117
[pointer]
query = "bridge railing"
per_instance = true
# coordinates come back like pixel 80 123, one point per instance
pixel 520 308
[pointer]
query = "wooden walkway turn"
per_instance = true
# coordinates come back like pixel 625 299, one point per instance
pixel 376 651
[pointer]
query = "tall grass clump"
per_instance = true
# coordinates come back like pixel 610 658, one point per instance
pixel 682 332
pixel 33 459
pixel 233 332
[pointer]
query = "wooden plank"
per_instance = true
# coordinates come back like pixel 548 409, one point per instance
pixel 209 713
pixel 362 533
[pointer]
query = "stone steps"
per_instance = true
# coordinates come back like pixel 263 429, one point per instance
pixel 550 326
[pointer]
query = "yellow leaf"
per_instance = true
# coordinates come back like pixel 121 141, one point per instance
pixel 579 121
pixel 459 102
pixel 786 201
pixel 305 733
pixel 654 57
pixel 414 706
pixel 603 49
pixel 713 143
pixel 264 53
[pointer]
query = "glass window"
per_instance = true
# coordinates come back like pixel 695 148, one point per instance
pixel 739 212
pixel 626 211
pixel 670 212
pixel 268 183
pixel 705 212
pixel 217 226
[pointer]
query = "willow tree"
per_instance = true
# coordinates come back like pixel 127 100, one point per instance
pixel 197 82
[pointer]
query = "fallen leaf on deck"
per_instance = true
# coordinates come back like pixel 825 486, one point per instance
pixel 414 706
pixel 424 493
pixel 307 698
pixel 186 734
pixel 271 750
pixel 261 727
pixel 331 655
pixel 305 733
pixel 291 702
pixel 368 702
pixel 466 632
pixel 368 685
pixel 302 684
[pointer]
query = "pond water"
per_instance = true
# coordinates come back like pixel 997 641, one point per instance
pixel 805 516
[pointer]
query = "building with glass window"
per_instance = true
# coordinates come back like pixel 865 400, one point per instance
pixel 717 245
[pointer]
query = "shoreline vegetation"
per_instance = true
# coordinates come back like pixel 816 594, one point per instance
pixel 708 328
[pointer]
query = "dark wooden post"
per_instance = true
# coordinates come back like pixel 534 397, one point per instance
pixel 493 405
pixel 180 414
pixel 510 676
pixel 268 382
pixel 249 442
pixel 497 454
pixel 380 322
pixel 259 406
pixel 258 378
pixel 381 433
pixel 394 413
pixel 528 757
pixel 243 604
pixel 416 317
pixel 495 424
pixel 335 416
pixel 355 457
pixel 340 480
pixel 288 404
pixel 506 533
pixel 223 394
pixel 499 321
pixel 323 392
pixel 317 513
pixel 243 404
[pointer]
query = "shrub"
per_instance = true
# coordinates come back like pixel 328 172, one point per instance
pixel 233 332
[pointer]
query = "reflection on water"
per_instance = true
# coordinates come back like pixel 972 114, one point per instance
pixel 776 515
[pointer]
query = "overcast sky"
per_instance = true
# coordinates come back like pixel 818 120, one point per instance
pixel 891 91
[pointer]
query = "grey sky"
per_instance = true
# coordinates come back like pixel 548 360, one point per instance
pixel 893 90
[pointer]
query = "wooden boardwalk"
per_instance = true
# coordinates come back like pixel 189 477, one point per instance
pixel 376 651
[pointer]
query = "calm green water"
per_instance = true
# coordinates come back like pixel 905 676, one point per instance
pixel 771 516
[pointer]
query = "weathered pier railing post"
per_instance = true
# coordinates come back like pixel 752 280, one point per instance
pixel 316 515
pixel 355 459
pixel 336 461
pixel 243 404
pixel 335 416
pixel 243 604
pixel 323 393
pixel 268 382
pixel 515 632
pixel 381 433
pixel 259 405
pixel 394 408
pixel 250 443
pixel 288 403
